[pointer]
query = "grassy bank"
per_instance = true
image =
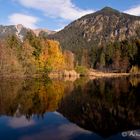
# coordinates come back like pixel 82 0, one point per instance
pixel 97 74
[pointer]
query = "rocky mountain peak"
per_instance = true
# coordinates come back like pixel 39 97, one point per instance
pixel 19 26
pixel 109 9
pixel 101 27
pixel 20 31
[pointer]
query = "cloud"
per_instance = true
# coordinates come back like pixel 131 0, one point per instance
pixel 59 29
pixel 134 11
pixel 64 9
pixel 26 20
pixel 20 122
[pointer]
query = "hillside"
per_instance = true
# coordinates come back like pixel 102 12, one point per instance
pixel 98 28
pixel 91 36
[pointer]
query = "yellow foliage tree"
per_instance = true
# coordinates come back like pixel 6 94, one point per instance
pixel 51 57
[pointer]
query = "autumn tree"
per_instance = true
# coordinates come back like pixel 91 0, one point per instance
pixel 69 60
pixel 27 59
pixel 51 57
pixel 35 42
pixel 9 63
pixel 13 42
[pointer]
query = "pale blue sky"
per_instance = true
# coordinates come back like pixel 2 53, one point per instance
pixel 55 14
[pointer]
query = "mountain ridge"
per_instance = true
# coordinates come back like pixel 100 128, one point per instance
pixel 20 31
pixel 100 27
pixel 107 39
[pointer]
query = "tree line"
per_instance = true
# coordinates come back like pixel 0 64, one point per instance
pixel 38 55
pixel 117 56
pixel 35 55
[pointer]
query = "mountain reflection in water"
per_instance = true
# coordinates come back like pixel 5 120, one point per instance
pixel 88 109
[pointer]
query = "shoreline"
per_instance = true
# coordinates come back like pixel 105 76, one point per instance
pixel 92 74
pixel 99 74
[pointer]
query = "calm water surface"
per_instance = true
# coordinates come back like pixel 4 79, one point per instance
pixel 36 109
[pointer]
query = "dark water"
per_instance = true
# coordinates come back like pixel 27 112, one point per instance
pixel 36 109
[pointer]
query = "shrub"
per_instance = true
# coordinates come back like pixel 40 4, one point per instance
pixel 81 70
pixel 135 69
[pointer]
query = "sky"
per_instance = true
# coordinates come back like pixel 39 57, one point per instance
pixel 56 14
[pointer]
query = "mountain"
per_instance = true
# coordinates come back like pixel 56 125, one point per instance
pixel 106 40
pixel 99 28
pixel 46 32
pixel 20 31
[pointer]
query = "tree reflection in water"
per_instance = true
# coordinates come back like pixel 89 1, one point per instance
pixel 30 97
pixel 104 106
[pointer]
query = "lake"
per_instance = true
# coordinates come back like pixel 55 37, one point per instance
pixel 70 109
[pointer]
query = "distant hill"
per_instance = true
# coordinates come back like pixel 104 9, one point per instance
pixel 39 32
pixel 20 31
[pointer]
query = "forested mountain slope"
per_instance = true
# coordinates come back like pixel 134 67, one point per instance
pixel 103 39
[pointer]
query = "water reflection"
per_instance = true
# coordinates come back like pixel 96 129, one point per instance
pixel 31 96
pixel 106 107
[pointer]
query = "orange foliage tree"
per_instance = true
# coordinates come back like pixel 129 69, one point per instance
pixel 51 57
